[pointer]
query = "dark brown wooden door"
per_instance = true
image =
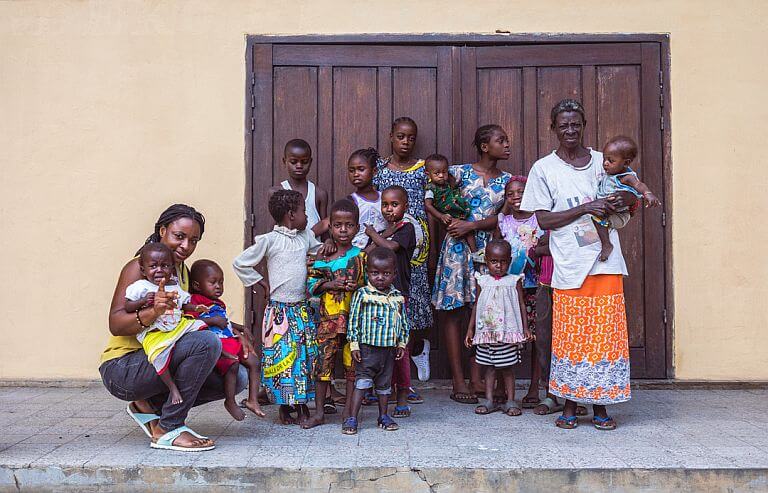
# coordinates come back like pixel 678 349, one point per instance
pixel 343 97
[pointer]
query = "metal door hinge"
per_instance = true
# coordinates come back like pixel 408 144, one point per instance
pixel 663 219
pixel 661 122
pixel 664 316
pixel 253 124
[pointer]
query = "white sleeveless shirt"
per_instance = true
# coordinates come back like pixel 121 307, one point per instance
pixel 370 213
pixel 313 217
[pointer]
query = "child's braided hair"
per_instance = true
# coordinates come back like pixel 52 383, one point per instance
pixel 282 202
pixel 368 155
pixel 483 135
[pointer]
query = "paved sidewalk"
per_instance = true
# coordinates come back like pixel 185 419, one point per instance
pixel 82 437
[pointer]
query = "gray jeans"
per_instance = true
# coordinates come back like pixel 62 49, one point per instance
pixel 132 377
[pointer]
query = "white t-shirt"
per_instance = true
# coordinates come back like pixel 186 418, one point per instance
pixel 166 322
pixel 370 213
pixel 554 185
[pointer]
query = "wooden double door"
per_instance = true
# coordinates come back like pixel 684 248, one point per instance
pixel 341 97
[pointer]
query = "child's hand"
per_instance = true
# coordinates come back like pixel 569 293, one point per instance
pixel 164 300
pixel 356 356
pixel 202 309
pixel 328 248
pixel 369 230
pixel 149 300
pixel 245 340
pixel 528 335
pixel 446 219
pixel 339 284
pixel 399 353
pixel 651 200
pixel 468 338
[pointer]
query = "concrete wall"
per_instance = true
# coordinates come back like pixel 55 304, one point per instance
pixel 96 97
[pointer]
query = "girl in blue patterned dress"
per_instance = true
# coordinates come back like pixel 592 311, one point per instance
pixel 403 170
pixel 482 184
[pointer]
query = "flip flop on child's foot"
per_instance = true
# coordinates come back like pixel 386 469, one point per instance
pixel 486 407
pixel 386 423
pixel 511 409
pixel 401 412
pixel 329 408
pixel 349 427
pixel 414 397
pixel 464 398
pixel 606 424
pixel 567 423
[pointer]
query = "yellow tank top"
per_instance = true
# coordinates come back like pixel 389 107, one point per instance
pixel 119 346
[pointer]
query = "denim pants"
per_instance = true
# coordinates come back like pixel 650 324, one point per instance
pixel 131 377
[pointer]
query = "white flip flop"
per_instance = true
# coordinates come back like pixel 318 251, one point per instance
pixel 165 442
pixel 142 419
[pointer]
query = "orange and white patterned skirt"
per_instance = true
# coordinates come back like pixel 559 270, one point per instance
pixel 590 345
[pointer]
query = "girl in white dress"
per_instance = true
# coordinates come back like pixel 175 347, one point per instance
pixel 496 327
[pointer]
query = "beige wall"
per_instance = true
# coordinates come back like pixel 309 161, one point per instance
pixel 109 111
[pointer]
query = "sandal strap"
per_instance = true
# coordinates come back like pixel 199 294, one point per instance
pixel 602 420
pixel 402 408
pixel 350 421
pixel 386 420
pixel 570 419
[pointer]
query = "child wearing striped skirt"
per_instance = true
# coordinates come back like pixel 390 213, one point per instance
pixel 496 327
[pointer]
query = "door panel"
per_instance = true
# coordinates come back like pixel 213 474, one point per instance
pixel 610 84
pixel 343 97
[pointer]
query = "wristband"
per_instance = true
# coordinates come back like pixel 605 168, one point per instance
pixel 138 319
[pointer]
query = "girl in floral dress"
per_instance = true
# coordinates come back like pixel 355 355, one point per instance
pixel 482 184
pixel 408 172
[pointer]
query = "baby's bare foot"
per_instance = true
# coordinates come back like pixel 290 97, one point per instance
pixel 231 406
pixel 606 252
pixel 176 397
pixel 254 407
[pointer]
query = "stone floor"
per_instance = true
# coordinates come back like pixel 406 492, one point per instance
pixel 45 431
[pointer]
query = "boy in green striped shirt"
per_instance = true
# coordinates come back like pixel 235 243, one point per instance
pixel 378 333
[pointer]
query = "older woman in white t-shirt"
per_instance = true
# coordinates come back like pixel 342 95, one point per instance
pixel 590 348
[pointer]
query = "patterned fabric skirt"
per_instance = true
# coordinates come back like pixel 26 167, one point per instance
pixel 289 353
pixel 419 310
pixel 590 345
pixel 454 279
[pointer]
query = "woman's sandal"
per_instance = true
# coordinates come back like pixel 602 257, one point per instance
pixel 550 405
pixel 529 402
pixel 464 398
pixel 387 424
pixel 349 427
pixel 568 423
pixel 511 409
pixel 165 442
pixel 401 412
pixel 486 407
pixel 606 424
pixel 142 419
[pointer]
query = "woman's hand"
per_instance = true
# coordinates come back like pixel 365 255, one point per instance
pixel 164 300
pixel 598 207
pixel 459 228
pixel 651 200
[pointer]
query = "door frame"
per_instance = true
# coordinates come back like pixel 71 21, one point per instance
pixel 263 43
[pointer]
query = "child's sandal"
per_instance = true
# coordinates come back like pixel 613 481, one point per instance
pixel 606 424
pixel 486 407
pixel 511 409
pixel 401 412
pixel 349 427
pixel 387 424
pixel 567 423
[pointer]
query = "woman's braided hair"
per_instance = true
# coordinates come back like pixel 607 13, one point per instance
pixel 172 214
